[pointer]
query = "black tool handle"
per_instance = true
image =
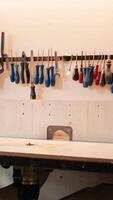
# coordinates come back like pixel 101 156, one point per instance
pixel 27 72
pixel 47 80
pixel 12 73
pixel 52 76
pixel 41 78
pixel 33 93
pixel 22 73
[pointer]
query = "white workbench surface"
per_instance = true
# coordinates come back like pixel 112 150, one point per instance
pixel 89 151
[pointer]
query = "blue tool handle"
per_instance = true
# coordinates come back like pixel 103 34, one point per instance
pixel 41 78
pixel 47 79
pixel 22 73
pixel 85 78
pixel 91 77
pixel 36 77
pixel 12 73
pixel 27 72
pixel 52 76
pixel 17 77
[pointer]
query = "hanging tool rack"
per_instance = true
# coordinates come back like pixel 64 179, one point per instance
pixel 86 73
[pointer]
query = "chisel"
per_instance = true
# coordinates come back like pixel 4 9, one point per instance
pixel 47 78
pixel 52 72
pixel 41 77
pixel 12 72
pixel 81 70
pixel 76 72
pixel 36 77
pixel 16 73
pixel 32 92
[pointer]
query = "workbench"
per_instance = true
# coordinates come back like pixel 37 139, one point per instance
pixel 72 155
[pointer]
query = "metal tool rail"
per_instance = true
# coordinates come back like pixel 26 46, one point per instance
pixel 60 58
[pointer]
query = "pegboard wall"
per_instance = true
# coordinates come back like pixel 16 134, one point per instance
pixel 91 121
pixel 87 110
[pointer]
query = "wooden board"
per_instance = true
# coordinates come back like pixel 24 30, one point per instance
pixel 47 149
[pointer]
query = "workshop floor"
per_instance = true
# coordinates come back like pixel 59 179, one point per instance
pixel 102 191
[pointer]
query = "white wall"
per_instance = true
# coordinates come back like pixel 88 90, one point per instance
pixel 66 25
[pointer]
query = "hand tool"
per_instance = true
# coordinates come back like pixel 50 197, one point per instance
pixel 47 78
pixel 70 66
pixel 52 73
pixel 41 77
pixel 32 92
pixel 2 52
pixel 22 65
pixel 112 84
pixel 97 80
pixel 91 68
pixel 103 78
pixel 7 62
pixel 76 72
pixel 96 68
pixel 27 72
pixel 12 72
pixel 57 74
pixel 108 73
pixel 81 70
pixel 36 77
pixel 85 75
pixel 16 74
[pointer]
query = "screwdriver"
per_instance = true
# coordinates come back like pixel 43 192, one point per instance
pixel 91 68
pixel 97 80
pixel 76 72
pixel 57 74
pixel 108 73
pixel 22 65
pixel 96 69
pixel 36 77
pixel 41 78
pixel 32 92
pixel 47 78
pixel 27 72
pixel 85 74
pixel 52 71
pixel 16 74
pixel 103 79
pixel 81 70
pixel 12 73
